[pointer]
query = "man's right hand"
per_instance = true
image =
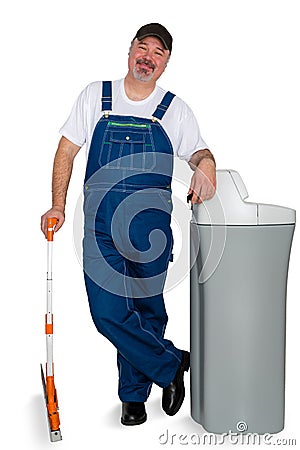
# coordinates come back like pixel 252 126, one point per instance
pixel 56 212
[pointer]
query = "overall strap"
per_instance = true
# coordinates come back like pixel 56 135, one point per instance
pixel 163 106
pixel 106 99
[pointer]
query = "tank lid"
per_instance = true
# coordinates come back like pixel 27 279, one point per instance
pixel 228 206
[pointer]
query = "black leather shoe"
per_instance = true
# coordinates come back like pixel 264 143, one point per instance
pixel 173 395
pixel 133 413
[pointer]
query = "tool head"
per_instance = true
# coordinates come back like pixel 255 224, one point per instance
pixel 52 407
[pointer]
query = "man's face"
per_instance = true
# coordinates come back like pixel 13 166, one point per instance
pixel 147 59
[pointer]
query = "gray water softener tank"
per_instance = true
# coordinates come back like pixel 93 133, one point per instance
pixel 239 265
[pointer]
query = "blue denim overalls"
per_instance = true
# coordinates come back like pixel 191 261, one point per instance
pixel 128 242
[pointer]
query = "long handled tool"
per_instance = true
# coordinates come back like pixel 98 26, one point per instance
pixel 48 382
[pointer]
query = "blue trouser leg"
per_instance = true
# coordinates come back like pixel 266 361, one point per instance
pixel 134 385
pixel 137 340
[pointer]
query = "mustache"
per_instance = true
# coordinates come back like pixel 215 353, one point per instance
pixel 146 62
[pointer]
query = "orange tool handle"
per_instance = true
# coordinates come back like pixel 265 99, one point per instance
pixel 51 222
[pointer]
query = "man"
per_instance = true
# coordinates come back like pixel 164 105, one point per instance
pixel 132 130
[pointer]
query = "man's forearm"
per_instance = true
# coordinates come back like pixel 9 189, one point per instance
pixel 62 170
pixel 198 156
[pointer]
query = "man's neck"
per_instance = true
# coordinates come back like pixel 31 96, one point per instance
pixel 137 90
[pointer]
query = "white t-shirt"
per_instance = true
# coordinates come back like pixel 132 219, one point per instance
pixel 178 122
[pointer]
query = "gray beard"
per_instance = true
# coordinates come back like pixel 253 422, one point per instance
pixel 141 76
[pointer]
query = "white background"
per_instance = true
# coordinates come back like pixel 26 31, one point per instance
pixel 236 63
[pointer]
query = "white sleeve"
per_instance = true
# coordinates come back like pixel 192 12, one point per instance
pixel 188 137
pixel 75 128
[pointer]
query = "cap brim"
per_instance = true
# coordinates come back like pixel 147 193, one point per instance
pixel 156 35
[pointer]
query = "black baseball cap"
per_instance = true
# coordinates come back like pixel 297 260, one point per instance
pixel 158 30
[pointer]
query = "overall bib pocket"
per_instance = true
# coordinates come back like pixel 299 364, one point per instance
pixel 128 146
